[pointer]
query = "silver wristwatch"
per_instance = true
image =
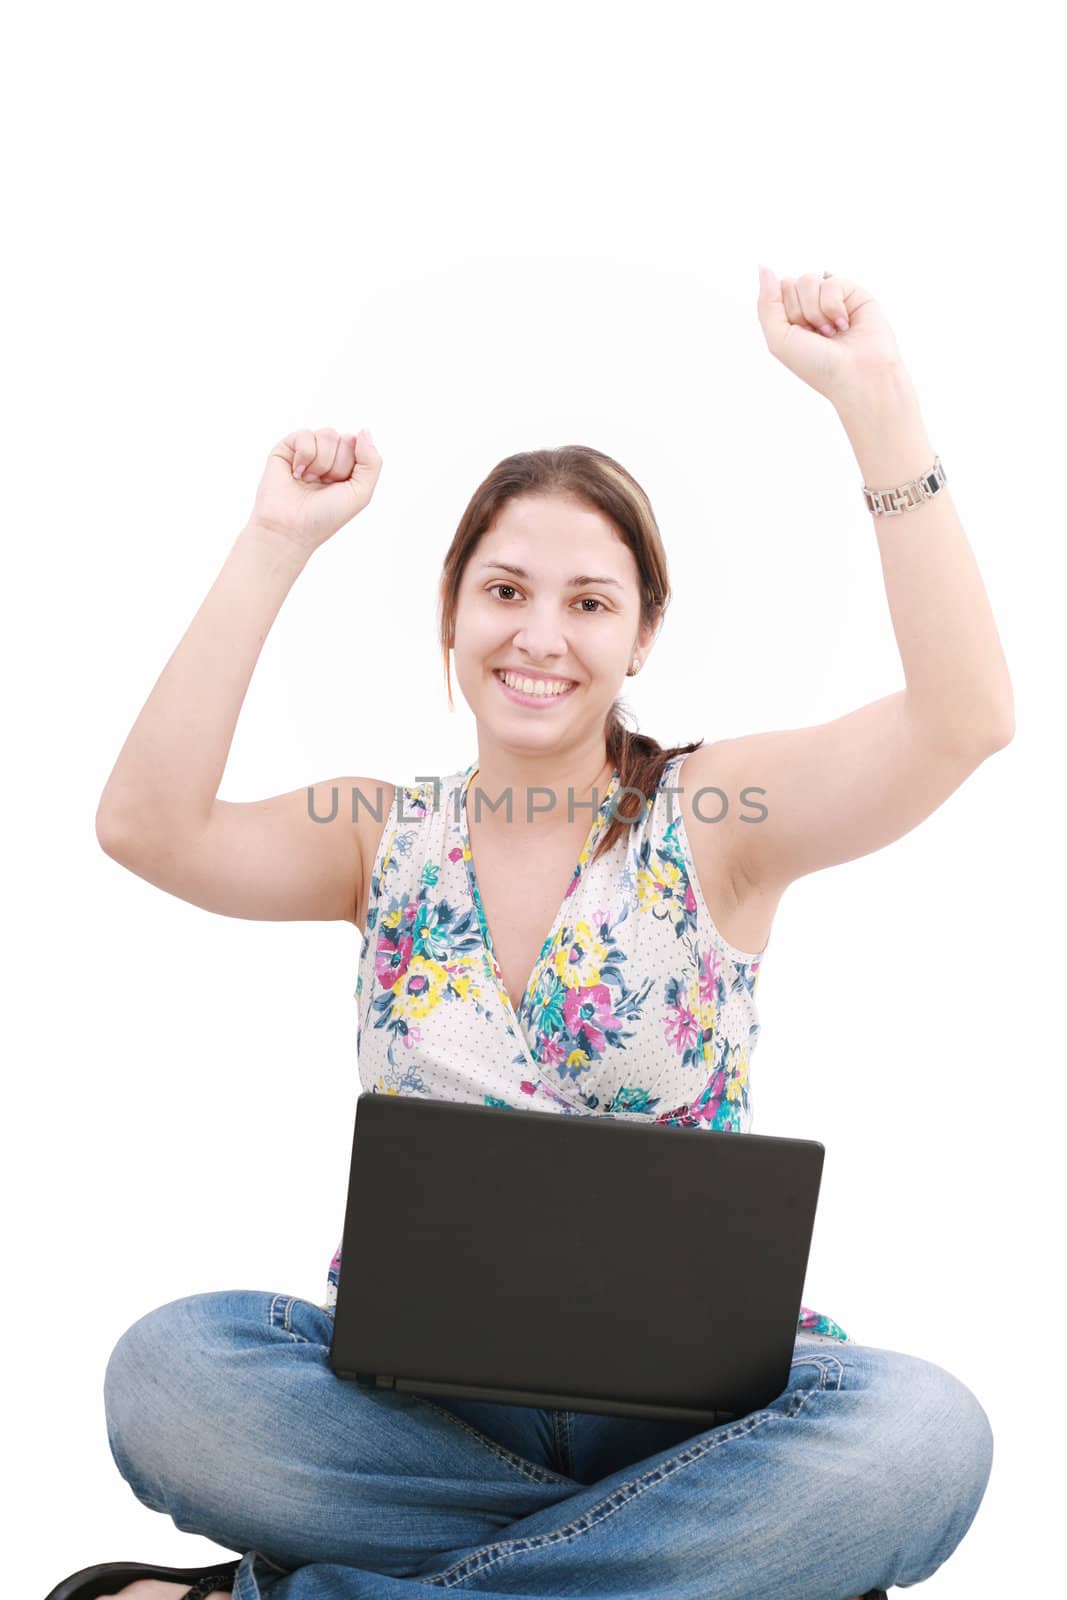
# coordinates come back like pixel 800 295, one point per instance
pixel 906 496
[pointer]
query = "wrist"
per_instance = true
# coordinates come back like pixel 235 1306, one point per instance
pixel 887 389
pixel 276 543
pixel 886 430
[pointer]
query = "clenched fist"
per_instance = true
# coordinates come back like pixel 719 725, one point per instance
pixel 314 482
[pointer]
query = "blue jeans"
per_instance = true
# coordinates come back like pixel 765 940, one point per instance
pixel 223 1412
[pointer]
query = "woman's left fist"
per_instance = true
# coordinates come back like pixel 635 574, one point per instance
pixel 858 348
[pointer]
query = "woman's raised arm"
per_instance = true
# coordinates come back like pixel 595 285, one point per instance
pixel 159 813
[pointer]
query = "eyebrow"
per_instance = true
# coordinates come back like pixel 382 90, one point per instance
pixel 572 583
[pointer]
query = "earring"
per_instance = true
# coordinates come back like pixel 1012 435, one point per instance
pixel 635 668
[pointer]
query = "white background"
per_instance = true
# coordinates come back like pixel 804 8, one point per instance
pixel 479 229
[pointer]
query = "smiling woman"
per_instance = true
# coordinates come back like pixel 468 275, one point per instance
pixel 598 958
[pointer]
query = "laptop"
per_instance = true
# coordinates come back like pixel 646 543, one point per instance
pixel 583 1262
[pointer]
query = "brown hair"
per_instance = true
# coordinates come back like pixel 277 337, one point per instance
pixel 599 481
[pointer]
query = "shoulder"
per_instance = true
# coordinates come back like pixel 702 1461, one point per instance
pixel 720 803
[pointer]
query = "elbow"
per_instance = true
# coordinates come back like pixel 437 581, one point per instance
pixel 1003 724
pixel 970 731
pixel 990 724
pixel 1004 721
pixel 108 833
pixel 972 740
pixel 997 734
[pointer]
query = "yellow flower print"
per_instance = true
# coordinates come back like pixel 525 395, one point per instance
pixel 577 961
pixel 418 992
pixel 703 1010
pixel 736 1065
pixel 577 1061
pixel 464 985
pixel 661 890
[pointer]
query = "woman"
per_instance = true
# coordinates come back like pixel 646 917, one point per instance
pixel 619 976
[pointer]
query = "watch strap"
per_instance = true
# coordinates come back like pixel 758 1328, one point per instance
pixel 906 496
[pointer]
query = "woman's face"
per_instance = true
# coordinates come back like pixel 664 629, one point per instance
pixel 539 623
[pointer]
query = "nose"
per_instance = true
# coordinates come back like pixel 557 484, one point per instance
pixel 541 644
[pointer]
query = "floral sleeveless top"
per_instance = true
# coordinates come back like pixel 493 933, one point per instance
pixel 637 1006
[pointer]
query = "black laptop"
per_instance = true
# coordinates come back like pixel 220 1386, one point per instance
pixel 587 1262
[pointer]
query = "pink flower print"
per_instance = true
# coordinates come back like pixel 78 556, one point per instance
pixel 551 1052
pixel 711 1098
pixel 411 1036
pixel 690 897
pixel 527 1087
pixel 681 1028
pixel 708 970
pixel 590 1009
pixel 681 1116
pixel 456 854
pixel 391 962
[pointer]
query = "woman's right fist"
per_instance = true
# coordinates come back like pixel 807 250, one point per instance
pixel 314 482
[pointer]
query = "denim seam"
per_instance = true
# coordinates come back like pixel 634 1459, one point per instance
pixel 561 1433
pixel 824 1363
pixel 245 1584
pixel 529 1469
pixel 491 1555
pixel 286 1303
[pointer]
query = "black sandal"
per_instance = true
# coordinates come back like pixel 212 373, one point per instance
pixel 91 1582
pixel 109 1578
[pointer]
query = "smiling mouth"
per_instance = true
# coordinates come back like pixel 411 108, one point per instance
pixel 538 697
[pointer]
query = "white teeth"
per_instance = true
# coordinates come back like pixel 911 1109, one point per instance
pixel 535 686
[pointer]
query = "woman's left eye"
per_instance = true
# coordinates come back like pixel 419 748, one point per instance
pixel 585 597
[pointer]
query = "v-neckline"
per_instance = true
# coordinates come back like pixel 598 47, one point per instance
pixel 599 821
